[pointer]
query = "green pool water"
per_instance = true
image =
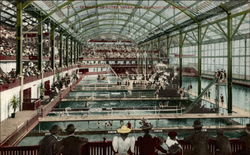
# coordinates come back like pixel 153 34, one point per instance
pixel 242 100
pixel 241 94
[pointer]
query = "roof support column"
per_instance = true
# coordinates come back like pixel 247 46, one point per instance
pixel 180 57
pixel 67 51
pixel 52 45
pixel 229 63
pixel 199 42
pixel 61 51
pixel 40 45
pixel 71 50
pixel 75 51
pixel 19 39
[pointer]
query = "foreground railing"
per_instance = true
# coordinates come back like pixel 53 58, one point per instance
pixel 105 148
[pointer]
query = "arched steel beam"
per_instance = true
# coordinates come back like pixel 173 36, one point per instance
pixel 106 30
pixel 105 13
pixel 115 32
pixel 108 19
pixel 115 13
pixel 179 7
pixel 114 3
pixel 99 27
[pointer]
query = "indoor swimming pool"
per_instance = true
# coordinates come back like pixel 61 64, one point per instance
pixel 95 130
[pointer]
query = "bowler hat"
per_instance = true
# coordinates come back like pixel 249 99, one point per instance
pixel 146 126
pixel 70 128
pixel 197 124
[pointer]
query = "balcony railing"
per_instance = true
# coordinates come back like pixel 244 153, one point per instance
pixel 31 104
pixel 105 148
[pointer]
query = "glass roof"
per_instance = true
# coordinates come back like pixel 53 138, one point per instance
pixel 136 19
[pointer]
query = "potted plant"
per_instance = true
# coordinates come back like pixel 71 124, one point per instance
pixel 41 91
pixel 14 103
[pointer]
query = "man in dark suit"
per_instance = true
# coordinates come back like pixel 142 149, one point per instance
pixel 199 140
pixel 245 138
pixel 222 144
pixel 47 146
pixel 147 144
pixel 72 145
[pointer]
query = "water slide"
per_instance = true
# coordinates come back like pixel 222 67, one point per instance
pixel 196 100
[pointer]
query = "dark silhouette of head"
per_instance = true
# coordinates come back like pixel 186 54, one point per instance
pixel 197 125
pixel 55 129
pixel 70 129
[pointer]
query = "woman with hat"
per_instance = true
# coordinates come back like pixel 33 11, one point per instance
pixel 49 142
pixel 123 145
pixel 174 148
pixel 146 143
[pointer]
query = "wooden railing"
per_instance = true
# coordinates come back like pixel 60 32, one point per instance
pixel 33 104
pixel 105 148
pixel 47 108
pixel 20 132
pixel 29 79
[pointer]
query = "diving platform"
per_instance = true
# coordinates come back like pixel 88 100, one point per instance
pixel 127 99
pixel 137 117
pixel 222 105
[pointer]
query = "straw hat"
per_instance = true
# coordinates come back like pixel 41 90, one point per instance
pixel 124 129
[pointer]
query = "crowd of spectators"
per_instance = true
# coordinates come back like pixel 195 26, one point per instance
pixel 109 54
pixel 8 44
pixel 7 41
pixel 124 144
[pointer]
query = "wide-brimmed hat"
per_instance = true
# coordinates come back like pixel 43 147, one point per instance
pixel 70 128
pixel 172 134
pixel 124 129
pixel 146 126
pixel 55 129
pixel 197 124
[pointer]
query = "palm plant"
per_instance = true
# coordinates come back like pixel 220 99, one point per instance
pixel 14 103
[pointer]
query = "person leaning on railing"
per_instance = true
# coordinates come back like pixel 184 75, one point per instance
pixel 123 145
pixel 245 139
pixel 72 144
pixel 199 140
pixel 47 146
